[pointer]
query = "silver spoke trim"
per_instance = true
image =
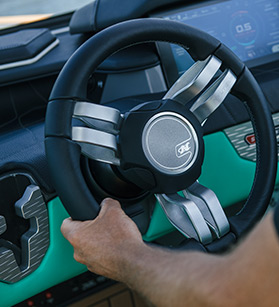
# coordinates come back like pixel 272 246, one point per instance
pixel 95 137
pixel 97 145
pixel 210 207
pixel 98 139
pixel 211 99
pixel 194 80
pixel 99 125
pixel 98 153
pixel 185 216
pixel 99 112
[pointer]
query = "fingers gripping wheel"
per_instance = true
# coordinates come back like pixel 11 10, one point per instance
pixel 158 145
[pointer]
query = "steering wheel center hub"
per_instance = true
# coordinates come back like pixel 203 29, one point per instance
pixel 170 143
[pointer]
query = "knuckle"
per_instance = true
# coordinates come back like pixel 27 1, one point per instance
pixel 77 257
pixel 73 238
pixel 110 207
pixel 109 203
pixel 64 228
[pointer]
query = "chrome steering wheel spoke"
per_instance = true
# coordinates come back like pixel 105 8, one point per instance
pixel 194 80
pixel 185 216
pixel 97 145
pixel 196 215
pixel 98 139
pixel 98 116
pixel 212 98
pixel 210 207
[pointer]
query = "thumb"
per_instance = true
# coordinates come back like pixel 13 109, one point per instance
pixel 109 204
pixel 68 227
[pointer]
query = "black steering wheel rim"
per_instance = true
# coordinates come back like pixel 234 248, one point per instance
pixel 63 154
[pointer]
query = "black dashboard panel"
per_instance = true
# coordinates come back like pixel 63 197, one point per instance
pixel 53 62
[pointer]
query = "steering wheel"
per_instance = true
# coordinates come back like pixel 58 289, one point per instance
pixel 157 147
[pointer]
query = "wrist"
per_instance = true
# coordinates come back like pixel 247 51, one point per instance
pixel 131 260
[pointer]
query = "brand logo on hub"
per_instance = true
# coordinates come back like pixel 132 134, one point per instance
pixel 183 149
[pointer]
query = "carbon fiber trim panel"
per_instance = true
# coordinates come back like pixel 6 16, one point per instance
pixel 34 243
pixel 242 138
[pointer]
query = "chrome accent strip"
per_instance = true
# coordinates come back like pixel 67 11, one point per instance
pixel 210 207
pixel 194 80
pixel 60 30
pixel 32 60
pixel 185 216
pixel 212 98
pixel 34 242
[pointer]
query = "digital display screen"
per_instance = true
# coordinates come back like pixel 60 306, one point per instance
pixel 250 28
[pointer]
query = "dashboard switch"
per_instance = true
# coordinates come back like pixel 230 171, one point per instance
pixel 250 139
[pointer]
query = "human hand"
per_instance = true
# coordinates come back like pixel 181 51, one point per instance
pixel 104 243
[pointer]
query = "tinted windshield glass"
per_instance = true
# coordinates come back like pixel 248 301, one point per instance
pixel 14 12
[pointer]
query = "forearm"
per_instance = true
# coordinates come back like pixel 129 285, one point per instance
pixel 169 278
pixel 246 277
